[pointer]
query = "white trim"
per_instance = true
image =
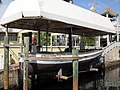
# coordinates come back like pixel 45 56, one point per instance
pixel 85 58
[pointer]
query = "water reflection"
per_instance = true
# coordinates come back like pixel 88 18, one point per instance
pixel 110 80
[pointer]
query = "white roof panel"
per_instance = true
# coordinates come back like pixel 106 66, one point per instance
pixel 54 10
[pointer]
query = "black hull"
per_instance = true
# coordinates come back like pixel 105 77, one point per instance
pixel 35 68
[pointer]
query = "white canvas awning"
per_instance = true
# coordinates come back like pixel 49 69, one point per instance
pixel 26 31
pixel 55 16
pixel 11 30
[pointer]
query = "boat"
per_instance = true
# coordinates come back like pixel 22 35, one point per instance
pixel 89 59
pixel 52 16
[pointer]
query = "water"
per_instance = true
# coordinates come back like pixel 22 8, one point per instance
pixel 108 80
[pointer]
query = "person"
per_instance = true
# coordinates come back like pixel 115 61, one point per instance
pixel 33 39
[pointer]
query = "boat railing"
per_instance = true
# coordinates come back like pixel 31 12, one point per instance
pixel 110 47
pixel 62 48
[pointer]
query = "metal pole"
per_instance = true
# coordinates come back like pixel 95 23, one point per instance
pixel 30 41
pixel 66 39
pixel 99 41
pixel 39 43
pixel 70 40
pixel 51 43
pixel 117 29
pixel 46 36
pixel 25 72
pixel 6 63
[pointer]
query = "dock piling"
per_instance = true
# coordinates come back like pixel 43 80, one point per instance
pixel 75 75
pixel 26 62
pixel 6 63
pixel 20 75
pixel 75 69
pixel 25 75
pixel 75 59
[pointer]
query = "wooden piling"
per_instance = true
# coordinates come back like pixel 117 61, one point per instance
pixel 75 75
pixel 75 69
pixel 25 81
pixel 6 63
pixel 75 66
pixel 75 59
pixel 26 62
pixel 26 45
pixel 20 75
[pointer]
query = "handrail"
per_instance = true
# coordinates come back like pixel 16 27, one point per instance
pixel 110 47
pixel 14 55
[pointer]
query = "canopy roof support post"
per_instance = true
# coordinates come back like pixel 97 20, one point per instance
pixel 46 36
pixel 39 43
pixel 117 23
pixel 66 39
pixel 47 41
pixel 110 36
pixel 70 40
pixel 99 41
pixel 51 43
pixel 108 39
pixel 30 41
pixel 82 43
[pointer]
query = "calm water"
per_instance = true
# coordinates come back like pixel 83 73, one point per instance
pixel 109 80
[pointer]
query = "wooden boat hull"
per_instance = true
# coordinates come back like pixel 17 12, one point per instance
pixel 44 66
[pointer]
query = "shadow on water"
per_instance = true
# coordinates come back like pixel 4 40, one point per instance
pixel 110 80
pixel 87 81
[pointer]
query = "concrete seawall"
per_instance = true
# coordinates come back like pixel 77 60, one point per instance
pixel 13 77
pixel 112 58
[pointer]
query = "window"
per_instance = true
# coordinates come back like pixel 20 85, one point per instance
pixel 12 36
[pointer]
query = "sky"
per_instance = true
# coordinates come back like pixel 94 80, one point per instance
pixel 100 5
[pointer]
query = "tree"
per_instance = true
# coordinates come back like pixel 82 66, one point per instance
pixel 89 41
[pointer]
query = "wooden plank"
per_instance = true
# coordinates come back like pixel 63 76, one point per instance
pixel 51 58
pixel 62 77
